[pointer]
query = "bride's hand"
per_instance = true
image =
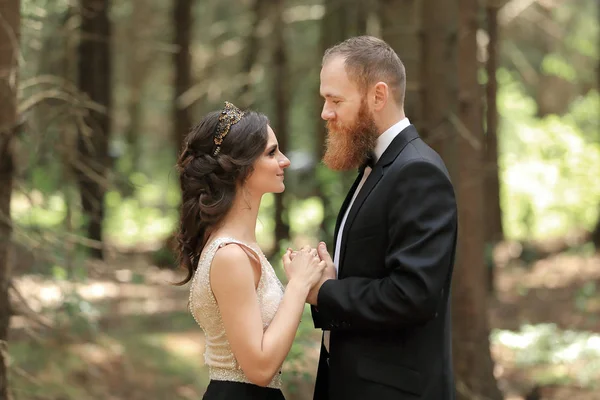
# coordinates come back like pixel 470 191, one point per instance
pixel 328 273
pixel 292 254
pixel 304 267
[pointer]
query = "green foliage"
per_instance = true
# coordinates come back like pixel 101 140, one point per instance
pixel 564 43
pixel 545 344
pixel 131 221
pixel 76 316
pixel 555 64
pixel 265 226
pixel 306 344
pixel 306 216
pixel 585 115
pixel 582 17
pixel 150 214
pixel 586 296
pixel 150 351
pixel 34 372
pixel 108 367
pixel 37 210
pixel 545 165
pixel 164 257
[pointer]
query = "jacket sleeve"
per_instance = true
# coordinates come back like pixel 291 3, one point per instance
pixel 316 316
pixel 422 226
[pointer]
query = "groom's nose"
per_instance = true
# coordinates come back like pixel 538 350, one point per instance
pixel 327 113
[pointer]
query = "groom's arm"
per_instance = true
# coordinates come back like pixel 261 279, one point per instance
pixel 316 317
pixel 422 225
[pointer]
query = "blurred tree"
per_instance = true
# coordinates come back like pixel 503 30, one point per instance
pixel 437 72
pixel 596 233
pixel 332 32
pixel 493 212
pixel 424 34
pixel 551 47
pixel 258 12
pixel 401 27
pixel 341 20
pixel 95 81
pixel 9 56
pixel 182 24
pixel 471 331
pixel 282 102
pixel 356 14
pixel 140 59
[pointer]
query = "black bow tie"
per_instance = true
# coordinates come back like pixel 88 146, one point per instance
pixel 369 162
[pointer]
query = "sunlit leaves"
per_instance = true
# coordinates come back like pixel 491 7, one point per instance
pixel 546 165
pixel 555 64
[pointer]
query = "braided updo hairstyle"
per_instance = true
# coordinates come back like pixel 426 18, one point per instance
pixel 209 182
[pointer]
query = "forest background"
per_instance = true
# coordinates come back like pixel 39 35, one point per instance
pixel 96 97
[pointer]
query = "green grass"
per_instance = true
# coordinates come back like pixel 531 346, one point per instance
pixel 555 356
pixel 126 366
pixel 140 357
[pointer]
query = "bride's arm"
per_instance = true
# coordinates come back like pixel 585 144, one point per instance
pixel 260 354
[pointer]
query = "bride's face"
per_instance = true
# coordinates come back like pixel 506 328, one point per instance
pixel 268 173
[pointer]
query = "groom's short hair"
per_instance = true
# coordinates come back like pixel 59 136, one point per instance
pixel 369 60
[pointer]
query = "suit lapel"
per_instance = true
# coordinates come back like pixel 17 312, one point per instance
pixel 394 149
pixel 368 186
pixel 344 207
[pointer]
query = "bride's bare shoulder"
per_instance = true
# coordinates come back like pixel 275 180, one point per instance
pixel 232 265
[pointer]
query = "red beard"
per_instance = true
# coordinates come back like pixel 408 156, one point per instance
pixel 349 146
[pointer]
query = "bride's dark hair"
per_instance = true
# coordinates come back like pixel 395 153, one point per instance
pixel 209 182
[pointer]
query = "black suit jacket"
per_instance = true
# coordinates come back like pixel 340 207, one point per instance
pixel 389 309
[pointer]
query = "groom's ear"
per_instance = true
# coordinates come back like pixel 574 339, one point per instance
pixel 381 94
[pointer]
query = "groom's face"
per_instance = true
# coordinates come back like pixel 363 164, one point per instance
pixel 351 130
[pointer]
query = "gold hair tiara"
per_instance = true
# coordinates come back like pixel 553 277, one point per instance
pixel 230 115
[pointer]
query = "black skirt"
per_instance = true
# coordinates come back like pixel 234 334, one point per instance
pixel 226 390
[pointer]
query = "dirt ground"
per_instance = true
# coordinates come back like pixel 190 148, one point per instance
pixel 563 289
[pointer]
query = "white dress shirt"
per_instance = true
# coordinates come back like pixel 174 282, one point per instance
pixel 383 141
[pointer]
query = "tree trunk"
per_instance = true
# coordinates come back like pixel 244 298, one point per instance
pixel 356 13
pixel 281 96
pixel 493 212
pixel 182 24
pixel 245 97
pixel 401 28
pixel 139 64
pixel 596 233
pixel 9 51
pixel 437 70
pixel 342 19
pixel 471 346
pixel 332 32
pixel 95 84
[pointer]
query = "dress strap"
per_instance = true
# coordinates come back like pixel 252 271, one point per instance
pixel 225 241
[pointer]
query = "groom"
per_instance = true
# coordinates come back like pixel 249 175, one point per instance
pixel 386 318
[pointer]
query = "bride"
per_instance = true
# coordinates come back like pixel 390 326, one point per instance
pixel 229 161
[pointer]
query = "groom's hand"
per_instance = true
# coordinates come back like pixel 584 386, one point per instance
pixel 329 273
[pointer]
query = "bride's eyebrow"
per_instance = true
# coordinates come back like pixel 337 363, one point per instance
pixel 271 148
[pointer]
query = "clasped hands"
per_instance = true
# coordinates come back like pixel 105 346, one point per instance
pixel 313 266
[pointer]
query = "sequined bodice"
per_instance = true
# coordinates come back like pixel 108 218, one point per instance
pixel 203 306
